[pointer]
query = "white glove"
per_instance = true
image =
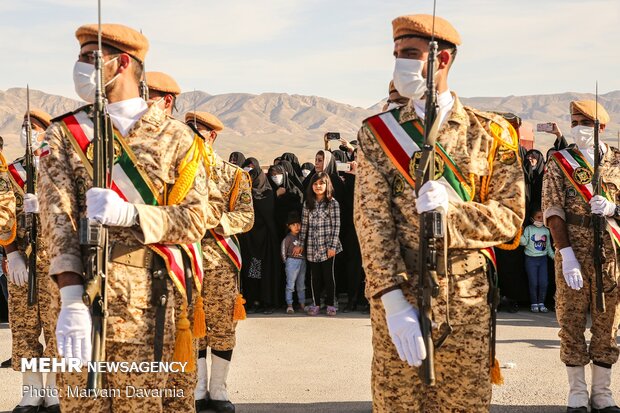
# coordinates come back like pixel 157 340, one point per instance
pixel 433 195
pixel 404 328
pixel 602 206
pixel 107 208
pixel 18 272
pixel 73 328
pixel 571 269
pixel 31 204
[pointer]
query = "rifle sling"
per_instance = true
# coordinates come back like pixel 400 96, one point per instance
pixel 159 298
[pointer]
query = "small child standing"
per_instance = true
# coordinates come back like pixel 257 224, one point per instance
pixel 536 238
pixel 294 264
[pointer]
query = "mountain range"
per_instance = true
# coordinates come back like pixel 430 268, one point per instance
pixel 266 125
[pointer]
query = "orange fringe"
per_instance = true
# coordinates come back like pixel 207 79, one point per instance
pixel 496 373
pixel 183 346
pixel 200 319
pixel 239 312
pixel 514 244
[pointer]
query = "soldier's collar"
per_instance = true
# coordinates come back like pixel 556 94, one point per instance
pixel 457 115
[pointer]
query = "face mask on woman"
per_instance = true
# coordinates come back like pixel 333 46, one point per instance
pixel 305 173
pixel 278 179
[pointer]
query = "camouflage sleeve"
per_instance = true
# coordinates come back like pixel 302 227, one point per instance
pixel 216 202
pixel 241 218
pixel 496 214
pixel 374 222
pixel 7 206
pixel 59 205
pixel 553 192
pixel 184 222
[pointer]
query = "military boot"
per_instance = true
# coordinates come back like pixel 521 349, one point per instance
pixel 578 397
pixel 602 400
pixel 217 386
pixel 200 392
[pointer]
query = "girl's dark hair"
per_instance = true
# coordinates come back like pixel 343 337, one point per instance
pixel 311 196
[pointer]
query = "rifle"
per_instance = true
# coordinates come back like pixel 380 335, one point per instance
pixel 431 222
pixel 93 235
pixel 144 89
pixel 598 221
pixel 30 219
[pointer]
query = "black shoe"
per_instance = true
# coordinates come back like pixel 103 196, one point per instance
pixel 6 364
pixel 222 406
pixel 267 311
pixel 54 408
pixel 610 409
pixel 202 405
pixel 26 409
pixel 576 410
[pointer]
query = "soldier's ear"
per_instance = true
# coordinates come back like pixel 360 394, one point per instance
pixel 124 61
pixel 444 57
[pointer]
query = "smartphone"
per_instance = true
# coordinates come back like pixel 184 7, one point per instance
pixel 544 127
pixel 343 167
pixel 333 136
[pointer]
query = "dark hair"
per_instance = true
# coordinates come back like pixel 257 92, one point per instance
pixel 137 65
pixel 311 196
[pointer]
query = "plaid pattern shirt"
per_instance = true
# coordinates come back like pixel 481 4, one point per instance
pixel 320 229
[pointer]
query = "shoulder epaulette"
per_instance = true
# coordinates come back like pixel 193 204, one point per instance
pixel 73 112
pixel 497 126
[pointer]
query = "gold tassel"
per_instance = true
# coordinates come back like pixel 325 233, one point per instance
pixel 496 373
pixel 200 319
pixel 239 313
pixel 513 244
pixel 183 346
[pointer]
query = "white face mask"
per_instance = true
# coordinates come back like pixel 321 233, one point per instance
pixel 583 136
pixel 277 179
pixel 34 139
pixel 84 80
pixel 392 105
pixel 538 224
pixel 305 173
pixel 408 79
pixel 247 168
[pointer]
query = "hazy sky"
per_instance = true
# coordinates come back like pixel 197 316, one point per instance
pixel 339 49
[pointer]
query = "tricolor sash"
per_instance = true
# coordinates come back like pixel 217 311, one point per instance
pixel 18 175
pixel 579 172
pixel 401 142
pixel 230 246
pixel 134 186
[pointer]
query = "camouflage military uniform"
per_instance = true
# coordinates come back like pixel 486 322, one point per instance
pixel 387 224
pixel 220 285
pixel 159 144
pixel 27 322
pixel 572 306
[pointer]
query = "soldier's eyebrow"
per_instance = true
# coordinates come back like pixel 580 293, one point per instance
pixel 407 50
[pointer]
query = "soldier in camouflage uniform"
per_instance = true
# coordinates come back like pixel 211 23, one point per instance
pixel 567 213
pixel 27 322
pixel 484 148
pixel 230 203
pixel 159 147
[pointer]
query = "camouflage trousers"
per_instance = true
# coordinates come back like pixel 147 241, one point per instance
pixel 27 322
pixel 572 307
pixel 130 338
pixel 461 368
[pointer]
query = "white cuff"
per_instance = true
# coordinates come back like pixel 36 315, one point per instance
pixel 71 294
pixel 568 254
pixel 395 302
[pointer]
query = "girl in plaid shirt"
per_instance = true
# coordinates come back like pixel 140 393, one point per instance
pixel 320 227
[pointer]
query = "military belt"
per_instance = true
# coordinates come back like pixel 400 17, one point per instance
pixel 132 255
pixel 458 263
pixel 584 221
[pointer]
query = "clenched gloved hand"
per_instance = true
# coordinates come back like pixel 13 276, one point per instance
pixel 31 204
pixel 73 329
pixel 433 195
pixel 571 269
pixel 602 206
pixel 404 328
pixel 107 208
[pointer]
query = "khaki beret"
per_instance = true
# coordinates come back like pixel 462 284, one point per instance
pixel 162 82
pixel 422 25
pixel 41 116
pixel 121 37
pixel 588 109
pixel 205 118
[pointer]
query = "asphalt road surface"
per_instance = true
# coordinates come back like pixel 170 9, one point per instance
pixel 298 364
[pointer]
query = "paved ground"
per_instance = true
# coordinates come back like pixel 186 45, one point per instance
pixel 297 364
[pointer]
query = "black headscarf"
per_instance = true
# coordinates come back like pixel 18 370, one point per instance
pixel 291 176
pixel 260 184
pixel 340 156
pixel 533 181
pixel 237 158
pixel 292 158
